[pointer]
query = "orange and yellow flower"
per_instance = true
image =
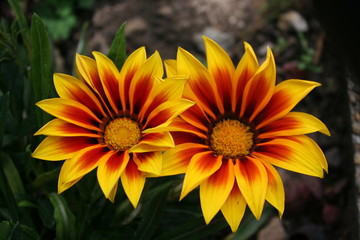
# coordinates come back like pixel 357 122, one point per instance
pixel 240 128
pixel 113 121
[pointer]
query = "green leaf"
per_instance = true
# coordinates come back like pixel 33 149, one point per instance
pixel 117 51
pixel 64 218
pixel 4 108
pixel 46 212
pixel 20 17
pixel 40 72
pixel 14 231
pixel 11 174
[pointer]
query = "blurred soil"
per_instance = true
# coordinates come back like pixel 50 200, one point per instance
pixel 316 209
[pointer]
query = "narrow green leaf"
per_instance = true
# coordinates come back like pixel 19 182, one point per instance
pixel 117 51
pixel 7 198
pixel 5 229
pixel 4 108
pixel 46 212
pixel 11 174
pixel 64 218
pixel 20 17
pixel 40 72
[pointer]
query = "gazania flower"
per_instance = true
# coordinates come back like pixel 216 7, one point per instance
pixel 112 120
pixel 240 128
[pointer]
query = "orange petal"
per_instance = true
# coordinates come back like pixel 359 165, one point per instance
pixel 58 127
pixel 200 86
pixel 221 69
pixel 61 148
pixel 252 179
pixel 109 76
pixel 149 162
pixel 83 162
pixel 259 88
pixel 144 81
pixel 196 117
pixel 154 142
pixel 75 89
pixel 176 160
pixel 87 69
pixel 275 194
pixel 71 111
pixel 216 189
pixel 130 67
pixel 165 113
pixel 294 123
pixel 133 182
pixel 299 154
pixel 234 208
pixel 110 170
pixel 286 95
pixel 168 90
pixel 245 70
pixel 201 166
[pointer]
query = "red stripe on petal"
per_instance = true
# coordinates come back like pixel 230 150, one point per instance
pixel 201 166
pixel 215 190
pixel 58 127
pixel 61 148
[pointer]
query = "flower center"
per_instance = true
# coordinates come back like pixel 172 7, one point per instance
pixel 122 133
pixel 231 138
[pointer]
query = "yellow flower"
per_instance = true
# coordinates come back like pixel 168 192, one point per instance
pixel 239 129
pixel 112 120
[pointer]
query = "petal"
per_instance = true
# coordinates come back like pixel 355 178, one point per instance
pixel 176 160
pixel 216 189
pixel 143 82
pixel 62 185
pixel 71 111
pixel 133 182
pixel 165 113
pixel 286 95
pixel 234 208
pixel 75 89
pixel 179 125
pixel 275 194
pixel 222 70
pixel 130 67
pixel 201 166
pixel 170 67
pixel 149 162
pixel 110 170
pixel 58 127
pixel 244 71
pixel 154 142
pixel 61 148
pixel 196 117
pixel 87 69
pixel 299 154
pixel 109 76
pixel 168 90
pixel 259 89
pixel 252 179
pixel 294 123
pixel 200 86
pixel 84 162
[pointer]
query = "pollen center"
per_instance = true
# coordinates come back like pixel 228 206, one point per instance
pixel 231 138
pixel 122 133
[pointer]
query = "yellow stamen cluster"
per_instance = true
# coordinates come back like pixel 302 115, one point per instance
pixel 122 133
pixel 231 138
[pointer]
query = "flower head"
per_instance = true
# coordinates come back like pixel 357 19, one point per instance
pixel 113 121
pixel 240 128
